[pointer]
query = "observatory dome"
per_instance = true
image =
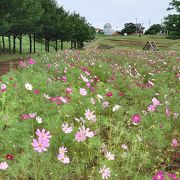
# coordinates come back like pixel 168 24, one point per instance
pixel 107 25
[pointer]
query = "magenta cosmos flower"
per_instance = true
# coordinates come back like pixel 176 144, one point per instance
pixel 40 145
pixel 31 61
pixel 109 94
pixel 36 91
pixel 9 156
pixel 159 176
pixel 136 119
pixel 174 143
pixel 43 135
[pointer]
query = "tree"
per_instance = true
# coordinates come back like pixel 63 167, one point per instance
pixel 5 25
pixel 129 28
pixel 172 22
pixel 154 29
pixel 175 4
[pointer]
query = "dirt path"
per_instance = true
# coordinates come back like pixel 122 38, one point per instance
pixel 6 66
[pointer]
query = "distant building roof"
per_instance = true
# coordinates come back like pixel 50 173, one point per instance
pixel 139 26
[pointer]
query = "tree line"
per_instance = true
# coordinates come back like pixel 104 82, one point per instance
pixel 171 24
pixel 41 20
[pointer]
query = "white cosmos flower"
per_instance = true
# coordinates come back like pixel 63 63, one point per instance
pixel 28 86
pixel 46 96
pixel 39 119
pixel 116 108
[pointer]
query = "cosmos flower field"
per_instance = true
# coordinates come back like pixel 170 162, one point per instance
pixel 91 115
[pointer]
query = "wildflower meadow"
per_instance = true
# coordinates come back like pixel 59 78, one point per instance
pixel 91 115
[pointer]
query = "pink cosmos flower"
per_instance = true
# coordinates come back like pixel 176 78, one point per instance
pixel 83 91
pixel 62 150
pixel 159 176
pixel 136 119
pixel 84 78
pixel 49 66
pixel 92 89
pixel 121 94
pixel 22 64
pixel 155 102
pixel 66 129
pixel 31 61
pixel 151 108
pixel 168 112
pixel 25 116
pixel 65 70
pixel 174 143
pixel 3 166
pixel 105 104
pixel 63 158
pixel 68 90
pixel 43 135
pixel 93 101
pixel 105 172
pixel 80 136
pixel 176 115
pixel 90 115
pixel 32 115
pixel 40 145
pixel 124 146
pixel 3 87
pixel 88 85
pixel 87 131
pixel 109 156
pixel 63 79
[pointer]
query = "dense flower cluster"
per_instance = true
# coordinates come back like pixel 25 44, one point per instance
pixel 106 118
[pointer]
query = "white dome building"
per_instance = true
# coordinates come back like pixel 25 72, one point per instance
pixel 108 29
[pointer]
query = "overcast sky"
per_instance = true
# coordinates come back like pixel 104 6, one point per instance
pixel 118 12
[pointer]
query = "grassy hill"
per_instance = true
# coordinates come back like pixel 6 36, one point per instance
pixel 133 42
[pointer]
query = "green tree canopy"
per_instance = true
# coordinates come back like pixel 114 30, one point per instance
pixel 129 28
pixel 172 22
pixel 154 29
